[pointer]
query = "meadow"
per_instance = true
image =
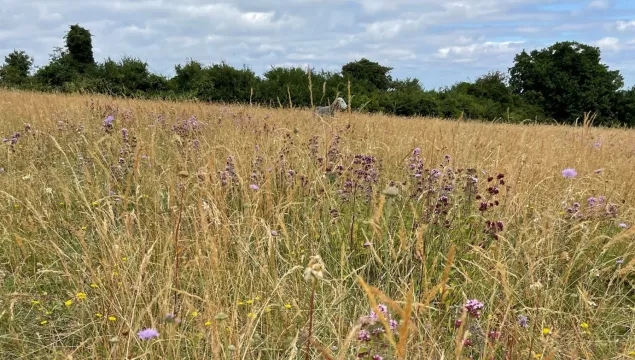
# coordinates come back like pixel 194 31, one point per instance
pixel 172 230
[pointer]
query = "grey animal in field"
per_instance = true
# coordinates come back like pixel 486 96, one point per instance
pixel 338 104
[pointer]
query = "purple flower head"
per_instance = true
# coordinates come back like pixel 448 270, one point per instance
pixel 619 261
pixel 109 120
pixel 377 357
pixel 623 226
pixel 416 152
pixel 473 307
pixel 569 173
pixel 393 324
pixel 523 321
pixel 363 335
pixel 383 308
pixel 4 140
pixel 254 187
pixel 147 334
pixel 274 233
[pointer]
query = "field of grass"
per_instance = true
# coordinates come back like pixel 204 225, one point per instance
pixel 199 221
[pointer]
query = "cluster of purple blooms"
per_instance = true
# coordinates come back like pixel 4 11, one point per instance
pixel 596 208
pixel 229 174
pixel 474 307
pixel 372 328
pixel 187 127
pixel 361 175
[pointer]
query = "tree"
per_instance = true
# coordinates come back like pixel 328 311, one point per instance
pixel 16 68
pixel 372 73
pixel 80 46
pixel 566 79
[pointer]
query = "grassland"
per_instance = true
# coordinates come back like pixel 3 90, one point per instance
pixel 200 220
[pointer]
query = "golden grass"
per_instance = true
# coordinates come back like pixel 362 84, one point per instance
pixel 74 219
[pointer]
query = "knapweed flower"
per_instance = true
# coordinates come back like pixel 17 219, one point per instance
pixel 363 335
pixel 147 334
pixel 254 187
pixel 569 173
pixel 473 307
pixel 523 321
pixel 393 324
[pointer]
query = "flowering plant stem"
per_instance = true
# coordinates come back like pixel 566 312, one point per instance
pixel 311 302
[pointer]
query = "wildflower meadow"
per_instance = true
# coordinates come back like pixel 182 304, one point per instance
pixel 135 229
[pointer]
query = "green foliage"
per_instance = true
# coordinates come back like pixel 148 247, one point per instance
pixel 370 73
pixel 80 47
pixel 560 82
pixel 16 68
pixel 566 80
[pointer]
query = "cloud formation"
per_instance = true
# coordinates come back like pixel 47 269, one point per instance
pixel 438 42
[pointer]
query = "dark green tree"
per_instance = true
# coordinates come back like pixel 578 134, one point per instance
pixel 79 44
pixel 566 80
pixel 371 74
pixel 16 68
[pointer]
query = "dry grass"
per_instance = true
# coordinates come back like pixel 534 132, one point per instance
pixel 77 219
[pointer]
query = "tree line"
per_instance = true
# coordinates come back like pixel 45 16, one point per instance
pixel 559 83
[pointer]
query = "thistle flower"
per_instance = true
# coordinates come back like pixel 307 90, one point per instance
pixel 523 321
pixel 147 334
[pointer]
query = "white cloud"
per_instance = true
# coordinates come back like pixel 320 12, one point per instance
pixel 599 4
pixel 477 50
pixel 609 44
pixel 625 25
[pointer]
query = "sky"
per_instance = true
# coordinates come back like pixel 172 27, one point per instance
pixel 438 42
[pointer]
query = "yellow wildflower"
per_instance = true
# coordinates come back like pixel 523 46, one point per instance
pixel 546 331
pixel 194 313
pixel 80 296
pixel 538 356
pixel 251 315
pixel 94 203
pixel 112 318
pixel 94 286
pixel 47 313
pixel 68 302
pixel 43 322
pixel 249 302
pixel 208 323
pixel 125 258
pixel 288 306
pixel 34 302
pixel 83 228
pixel 257 298
pixel 241 303
pixel 584 325
pixel 98 315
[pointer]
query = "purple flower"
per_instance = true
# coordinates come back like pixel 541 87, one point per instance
pixel 597 144
pixel 473 307
pixel 363 335
pixel 254 187
pixel 274 233
pixel 569 173
pixel 377 357
pixel 619 261
pixel 108 121
pixel 147 334
pixel 523 321
pixel 393 324
pixel 383 308
pixel 623 226
pixel 416 152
